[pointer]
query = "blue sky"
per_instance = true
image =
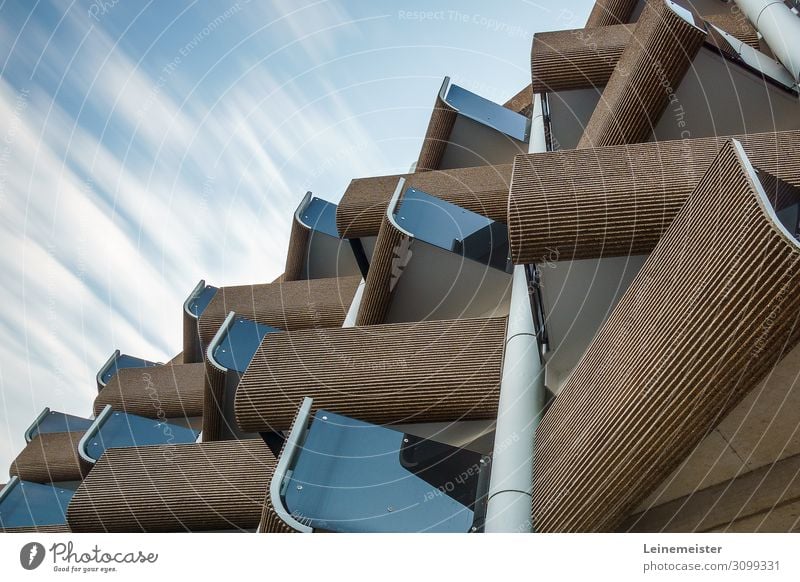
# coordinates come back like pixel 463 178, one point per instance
pixel 147 145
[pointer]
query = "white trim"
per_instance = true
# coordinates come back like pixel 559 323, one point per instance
pixel 105 367
pixel 215 341
pixel 35 423
pixel 290 451
pixel 91 432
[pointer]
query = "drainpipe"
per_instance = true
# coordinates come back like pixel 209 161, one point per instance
pixel 518 413
pixel 780 29
pixel 522 397
pixel 350 318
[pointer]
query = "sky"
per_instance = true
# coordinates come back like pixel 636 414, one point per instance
pixel 147 145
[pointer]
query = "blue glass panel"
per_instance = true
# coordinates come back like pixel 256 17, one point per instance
pixel 455 229
pixel 128 430
pixel 240 343
pixel 197 305
pixel 352 476
pixel 33 504
pixel 488 113
pixel 124 361
pixel 60 422
pixel 321 216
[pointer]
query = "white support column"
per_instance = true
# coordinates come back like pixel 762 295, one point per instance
pixel 780 28
pixel 350 318
pixel 521 401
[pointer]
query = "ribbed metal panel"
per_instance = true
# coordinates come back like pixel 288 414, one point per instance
pixel 289 306
pixel 619 200
pixel 377 294
pixel 481 189
pixel 607 12
pixel 712 310
pixel 437 136
pixel 521 102
pixel 660 52
pixel 408 372
pixel 50 457
pixel 171 391
pixel 213 403
pixel 194 487
pixel 577 59
pixel 298 249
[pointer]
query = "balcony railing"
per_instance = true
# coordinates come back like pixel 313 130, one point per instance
pixel 117 362
pixel 26 505
pixel 344 475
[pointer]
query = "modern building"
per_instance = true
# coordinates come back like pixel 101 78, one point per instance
pixel 578 311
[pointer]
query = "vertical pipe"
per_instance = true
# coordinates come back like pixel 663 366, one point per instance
pixel 519 409
pixel 780 29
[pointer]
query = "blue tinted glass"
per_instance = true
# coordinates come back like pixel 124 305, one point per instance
pixel 60 422
pixel 33 504
pixel 128 430
pixel 198 303
pixel 320 215
pixel 488 113
pixel 124 361
pixel 450 227
pixel 240 343
pixel 352 476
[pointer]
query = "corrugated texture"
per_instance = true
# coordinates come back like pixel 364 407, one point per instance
pixel 712 310
pixel 522 102
pixel 721 506
pixel 577 59
pixel 607 12
pixel 61 528
pixel 735 24
pixel 406 372
pixel 191 338
pixel 296 255
pixel 291 305
pixel 657 57
pixel 50 457
pixel 270 521
pixel 482 189
pixel 363 205
pixel 437 135
pixel 619 200
pixel 194 487
pixel 387 260
pixel 170 391
pixel 213 403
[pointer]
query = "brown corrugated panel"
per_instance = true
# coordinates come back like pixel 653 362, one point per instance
pixel 437 136
pixel 658 55
pixel 737 25
pixel 270 521
pixel 577 59
pixel 482 189
pixel 60 528
pixel 170 488
pixel 404 372
pixel 50 457
pixel 619 200
pixel 363 205
pixel 170 391
pixel 290 305
pixel 213 403
pixel 390 248
pixel 296 255
pixel 522 102
pixel 747 500
pixel 607 12
pixel 713 309
pixel 177 359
